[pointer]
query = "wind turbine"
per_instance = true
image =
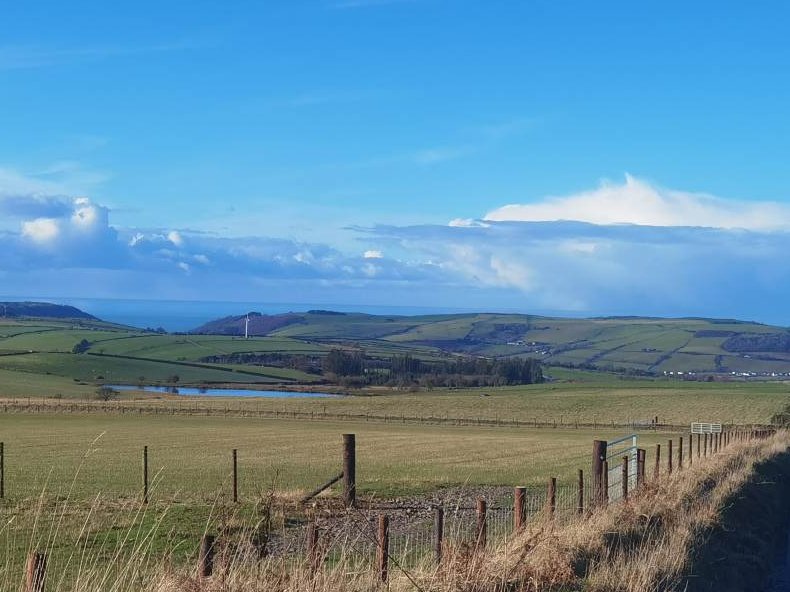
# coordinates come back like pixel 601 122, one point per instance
pixel 247 327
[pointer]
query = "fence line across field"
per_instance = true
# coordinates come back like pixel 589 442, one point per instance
pixel 380 537
pixel 195 408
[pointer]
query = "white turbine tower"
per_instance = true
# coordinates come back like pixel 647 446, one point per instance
pixel 247 327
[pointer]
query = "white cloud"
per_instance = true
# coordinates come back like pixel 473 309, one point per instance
pixel 467 223
pixel 41 230
pixel 175 237
pixel 373 254
pixel 638 202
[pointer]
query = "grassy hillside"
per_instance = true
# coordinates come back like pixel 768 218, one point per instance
pixel 643 345
pixel 118 354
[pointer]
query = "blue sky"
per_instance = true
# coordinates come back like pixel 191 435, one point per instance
pixel 577 157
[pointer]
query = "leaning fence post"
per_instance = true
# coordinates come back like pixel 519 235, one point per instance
pixel 235 476
pixel 36 572
pixel 669 457
pixel 383 547
pixel 580 504
pixel 145 474
pixel 598 461
pixel 482 524
pixel 551 496
pixel 349 470
pixel 206 557
pixel 519 508
pixel 438 533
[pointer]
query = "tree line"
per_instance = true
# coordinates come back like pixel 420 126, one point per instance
pixel 357 369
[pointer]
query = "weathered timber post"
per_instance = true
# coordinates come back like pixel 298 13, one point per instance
pixel 657 469
pixel 598 460
pixel 680 453
pixel 35 572
pixel 235 476
pixel 206 556
pixel 383 547
pixel 311 544
pixel 580 502
pixel 145 474
pixel 705 449
pixel 699 447
pixel 482 525
pixel 641 456
pixel 519 508
pixel 551 496
pixel 624 477
pixel 438 533
pixel 349 470
pixel 691 450
pixel 669 457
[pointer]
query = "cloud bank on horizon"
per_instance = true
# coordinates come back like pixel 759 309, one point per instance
pixel 628 247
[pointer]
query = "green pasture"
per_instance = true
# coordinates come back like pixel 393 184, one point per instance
pixel 88 455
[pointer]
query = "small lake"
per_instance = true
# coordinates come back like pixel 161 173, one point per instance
pixel 221 392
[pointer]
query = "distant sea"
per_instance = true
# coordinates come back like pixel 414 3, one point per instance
pixel 181 315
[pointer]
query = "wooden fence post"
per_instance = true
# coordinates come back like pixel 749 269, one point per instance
pixel 657 469
pixel 624 477
pixel 669 457
pixel 641 455
pixel 519 508
pixel 705 449
pixel 235 477
pixel 598 460
pixel 580 502
pixel 680 453
pixel 482 524
pixel 349 470
pixel 145 474
pixel 36 572
pixel 2 470
pixel 691 450
pixel 551 496
pixel 438 533
pixel 383 547
pixel 699 446
pixel 312 544
pixel 206 557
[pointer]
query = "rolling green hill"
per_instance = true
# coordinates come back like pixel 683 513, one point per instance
pixel 215 354
pixel 651 346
